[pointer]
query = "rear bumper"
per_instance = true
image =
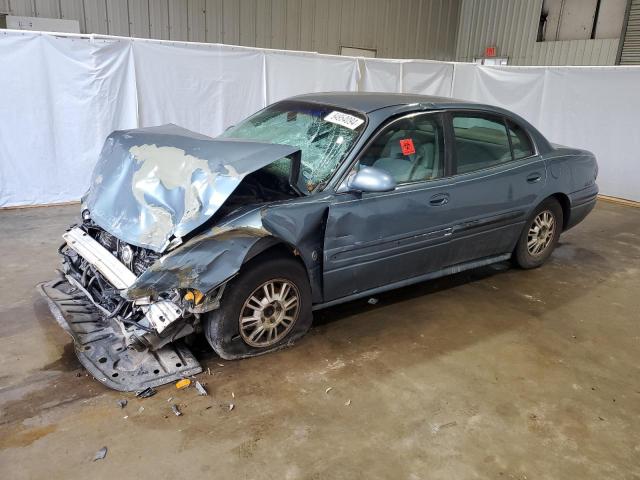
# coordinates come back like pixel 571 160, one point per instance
pixel 100 346
pixel 582 202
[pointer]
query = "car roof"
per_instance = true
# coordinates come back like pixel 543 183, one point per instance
pixel 366 102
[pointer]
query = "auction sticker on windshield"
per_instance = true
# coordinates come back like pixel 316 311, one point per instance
pixel 350 121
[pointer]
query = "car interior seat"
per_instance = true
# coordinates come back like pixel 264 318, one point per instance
pixel 426 167
pixel 395 163
pixel 405 168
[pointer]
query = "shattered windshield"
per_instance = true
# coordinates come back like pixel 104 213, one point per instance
pixel 323 134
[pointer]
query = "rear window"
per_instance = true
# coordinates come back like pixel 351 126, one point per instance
pixel 520 142
pixel 480 142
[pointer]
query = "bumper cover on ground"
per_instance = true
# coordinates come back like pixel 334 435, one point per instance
pixel 101 350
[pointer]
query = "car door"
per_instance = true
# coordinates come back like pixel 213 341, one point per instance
pixel 498 177
pixel 375 239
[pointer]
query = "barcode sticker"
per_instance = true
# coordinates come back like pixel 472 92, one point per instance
pixel 350 121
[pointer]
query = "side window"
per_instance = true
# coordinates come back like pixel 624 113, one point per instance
pixel 480 142
pixel 520 141
pixel 410 149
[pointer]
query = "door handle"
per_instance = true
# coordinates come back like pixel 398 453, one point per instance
pixel 439 199
pixel 534 177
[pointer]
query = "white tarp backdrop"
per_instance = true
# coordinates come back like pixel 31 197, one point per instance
pixel 60 96
pixel 407 76
pixel 59 99
pixel 294 73
pixel 201 87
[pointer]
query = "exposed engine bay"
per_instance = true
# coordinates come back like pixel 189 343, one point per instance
pixel 141 322
pixel 257 188
pixel 128 345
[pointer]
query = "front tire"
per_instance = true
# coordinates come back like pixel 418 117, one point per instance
pixel 540 235
pixel 265 308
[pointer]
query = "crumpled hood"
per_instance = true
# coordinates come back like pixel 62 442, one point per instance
pixel 151 184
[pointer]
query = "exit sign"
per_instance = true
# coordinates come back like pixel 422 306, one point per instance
pixel 490 52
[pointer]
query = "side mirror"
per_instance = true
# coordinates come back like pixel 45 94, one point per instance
pixel 368 179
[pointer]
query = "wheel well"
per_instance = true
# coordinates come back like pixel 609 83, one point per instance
pixel 272 247
pixel 564 202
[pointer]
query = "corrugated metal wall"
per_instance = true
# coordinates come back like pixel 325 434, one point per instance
pixel 512 27
pixel 630 49
pixel 395 28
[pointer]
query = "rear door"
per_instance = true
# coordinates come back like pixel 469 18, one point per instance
pixel 374 239
pixel 499 178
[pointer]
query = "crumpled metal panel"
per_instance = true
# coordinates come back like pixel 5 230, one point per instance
pixel 151 184
pixel 204 263
pixel 213 257
pixel 302 225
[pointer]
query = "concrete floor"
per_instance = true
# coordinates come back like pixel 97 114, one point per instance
pixel 495 373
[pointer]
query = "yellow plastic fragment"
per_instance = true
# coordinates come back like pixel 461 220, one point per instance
pixel 195 296
pixel 184 383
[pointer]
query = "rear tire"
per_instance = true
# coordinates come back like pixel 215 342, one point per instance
pixel 539 235
pixel 266 307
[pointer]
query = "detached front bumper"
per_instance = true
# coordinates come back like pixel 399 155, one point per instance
pixel 101 348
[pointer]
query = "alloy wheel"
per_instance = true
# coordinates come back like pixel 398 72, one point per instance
pixel 269 313
pixel 541 233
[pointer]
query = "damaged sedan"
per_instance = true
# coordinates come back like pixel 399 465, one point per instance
pixel 313 201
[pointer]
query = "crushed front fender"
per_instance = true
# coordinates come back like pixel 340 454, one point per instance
pixel 204 263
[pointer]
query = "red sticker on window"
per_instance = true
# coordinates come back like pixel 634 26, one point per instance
pixel 407 146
